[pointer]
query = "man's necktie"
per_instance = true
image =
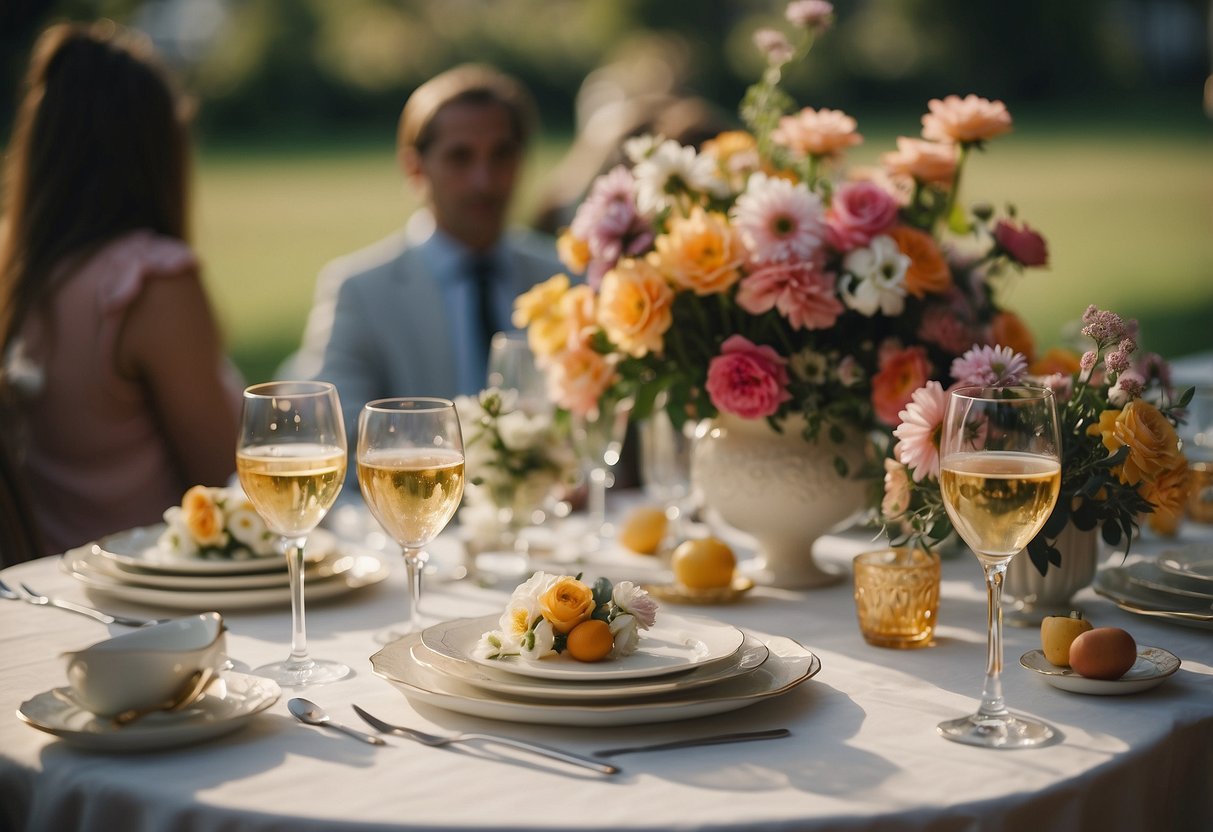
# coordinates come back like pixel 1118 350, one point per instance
pixel 483 273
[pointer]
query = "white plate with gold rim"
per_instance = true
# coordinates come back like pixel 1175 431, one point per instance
pixel 673 644
pixel 788 666
pixel 87 560
pixel 1153 665
pixel 228 704
pixel 139 548
pixel 751 656
pixel 1112 582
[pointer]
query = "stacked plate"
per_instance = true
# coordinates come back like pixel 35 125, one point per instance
pixel 131 566
pixel 1178 586
pixel 686 666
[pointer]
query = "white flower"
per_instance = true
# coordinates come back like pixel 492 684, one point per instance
pixel 520 431
pixel 671 170
pixel 879 272
pixel 625 634
pixel 636 603
pixel 247 527
pixel 176 537
pixel 493 645
pixel 639 148
pixel 539 642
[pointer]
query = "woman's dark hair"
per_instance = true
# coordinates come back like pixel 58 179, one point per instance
pixel 99 148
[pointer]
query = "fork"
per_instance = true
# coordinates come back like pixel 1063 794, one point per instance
pixel 28 595
pixel 436 741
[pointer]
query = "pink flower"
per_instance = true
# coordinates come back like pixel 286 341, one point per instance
pixel 802 293
pixel 858 212
pixel 1021 243
pixel 919 431
pixel 747 380
pixel 965 120
pixel 774 45
pixel 931 162
pixel 816 132
pixel 988 366
pixel 902 372
pixel 578 377
pixel 814 15
pixel 779 221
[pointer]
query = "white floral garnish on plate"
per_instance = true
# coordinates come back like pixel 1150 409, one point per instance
pixel 552 614
pixel 216 524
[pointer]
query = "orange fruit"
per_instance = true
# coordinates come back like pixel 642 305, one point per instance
pixel 705 563
pixel 590 641
pixel 643 530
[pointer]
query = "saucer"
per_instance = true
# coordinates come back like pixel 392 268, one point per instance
pixel 1153 665
pixel 226 706
pixel 676 593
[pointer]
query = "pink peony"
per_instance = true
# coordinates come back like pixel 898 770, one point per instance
pixel 747 380
pixel 1021 243
pixel 858 212
pixel 802 293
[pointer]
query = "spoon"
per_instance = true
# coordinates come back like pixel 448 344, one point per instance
pixel 308 712
pixel 187 694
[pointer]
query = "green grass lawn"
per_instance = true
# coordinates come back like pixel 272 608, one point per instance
pixel 1128 213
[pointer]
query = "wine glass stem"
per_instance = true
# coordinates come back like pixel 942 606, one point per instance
pixel 294 564
pixel 992 703
pixel 597 498
pixel 414 564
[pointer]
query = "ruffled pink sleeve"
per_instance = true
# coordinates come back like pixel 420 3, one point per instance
pixel 134 258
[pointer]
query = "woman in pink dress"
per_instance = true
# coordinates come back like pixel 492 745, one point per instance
pixel 117 392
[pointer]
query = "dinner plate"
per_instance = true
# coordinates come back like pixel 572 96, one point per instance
pixel 139 548
pixel 361 570
pixel 673 644
pixel 752 655
pixel 789 665
pixel 1194 561
pixel 1113 583
pixel 228 704
pixel 1153 665
pixel 1150 575
pixel 86 560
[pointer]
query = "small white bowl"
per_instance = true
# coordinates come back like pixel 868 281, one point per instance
pixel 145 668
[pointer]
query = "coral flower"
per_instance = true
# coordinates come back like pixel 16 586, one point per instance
pixel 918 434
pixel 634 307
pixel 1009 329
pixel 577 378
pixel 817 132
pixel 928 272
pixel 802 293
pixel 932 163
pixel 965 120
pixel 701 252
pixel 901 373
pixel 1056 360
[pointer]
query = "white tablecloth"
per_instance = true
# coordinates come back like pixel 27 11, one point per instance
pixel 864 753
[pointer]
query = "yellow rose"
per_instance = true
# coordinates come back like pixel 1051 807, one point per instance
pixel 1153 443
pixel 1169 494
pixel 540 311
pixel 203 518
pixel 700 252
pixel 634 307
pixel 567 604
pixel 574 252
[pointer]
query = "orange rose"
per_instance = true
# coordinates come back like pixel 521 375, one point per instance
pixel 1009 330
pixel 928 272
pixel 566 604
pixel 634 307
pixel 1169 494
pixel 203 518
pixel 1153 443
pixel 1055 360
pixel 700 252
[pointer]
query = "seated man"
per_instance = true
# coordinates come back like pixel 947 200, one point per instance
pixel 413 314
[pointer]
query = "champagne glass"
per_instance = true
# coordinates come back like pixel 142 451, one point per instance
pixel 665 466
pixel 512 367
pixel 291 460
pixel 410 468
pixel 598 440
pixel 999 474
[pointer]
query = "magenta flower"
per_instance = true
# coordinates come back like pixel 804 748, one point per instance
pixel 802 293
pixel 859 212
pixel 987 366
pixel 747 380
pixel 919 433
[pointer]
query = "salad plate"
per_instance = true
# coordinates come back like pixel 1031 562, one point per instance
pixel 1194 561
pixel 1153 665
pixel 139 548
pixel 228 704
pixel 788 666
pixel 751 656
pixel 1150 575
pixel 1113 583
pixel 672 645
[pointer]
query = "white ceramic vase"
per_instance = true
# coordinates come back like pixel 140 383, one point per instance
pixel 1029 596
pixel 781 490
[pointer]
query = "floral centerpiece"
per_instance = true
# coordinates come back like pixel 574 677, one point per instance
pixel 217 524
pixel 757 277
pixel 1121 458
pixel 552 614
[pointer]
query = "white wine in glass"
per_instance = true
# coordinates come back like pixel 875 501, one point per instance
pixel 999 474
pixel 410 469
pixel 291 460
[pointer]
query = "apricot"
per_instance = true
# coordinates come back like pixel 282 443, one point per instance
pixel 590 641
pixel 643 530
pixel 705 563
pixel 1103 653
pixel 1057 633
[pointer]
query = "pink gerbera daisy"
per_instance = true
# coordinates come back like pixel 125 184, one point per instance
pixel 779 221
pixel 919 433
pixel 988 366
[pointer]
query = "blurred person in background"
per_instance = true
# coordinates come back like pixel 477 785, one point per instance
pixel 413 314
pixel 117 395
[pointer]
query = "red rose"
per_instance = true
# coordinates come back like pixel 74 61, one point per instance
pixel 1021 243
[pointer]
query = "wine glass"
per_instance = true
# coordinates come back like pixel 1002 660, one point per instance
pixel 512 367
pixel 598 440
pixel 665 466
pixel 410 468
pixel 291 460
pixel 999 474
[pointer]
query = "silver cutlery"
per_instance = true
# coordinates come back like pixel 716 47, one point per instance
pixel 29 596
pixel 436 741
pixel 309 713
pixel 718 739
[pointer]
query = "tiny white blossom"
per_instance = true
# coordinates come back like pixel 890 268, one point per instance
pixel 248 528
pixel 639 148
pixel 539 642
pixel 633 601
pixel 492 645
pixel 176 537
pixel 626 636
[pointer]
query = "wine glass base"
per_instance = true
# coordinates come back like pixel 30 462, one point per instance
pixel 1004 731
pixel 292 674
